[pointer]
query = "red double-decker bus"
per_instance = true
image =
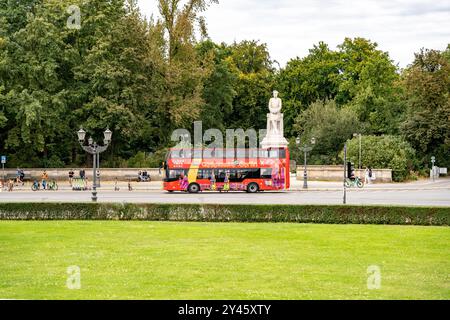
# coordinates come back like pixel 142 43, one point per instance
pixel 224 170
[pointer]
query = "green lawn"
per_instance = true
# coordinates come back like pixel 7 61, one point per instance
pixel 152 260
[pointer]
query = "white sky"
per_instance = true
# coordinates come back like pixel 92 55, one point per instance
pixel 291 27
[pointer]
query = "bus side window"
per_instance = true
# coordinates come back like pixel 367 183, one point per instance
pixel 233 175
pixel 220 175
pixel 254 174
pixel 266 173
pixel 282 153
pixel 204 174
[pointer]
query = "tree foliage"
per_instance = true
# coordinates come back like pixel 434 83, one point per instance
pixel 331 127
pixel 143 78
pixel 384 152
pixel 427 125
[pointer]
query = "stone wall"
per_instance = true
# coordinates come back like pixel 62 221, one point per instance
pixel 315 173
pixel 107 174
pixel 336 173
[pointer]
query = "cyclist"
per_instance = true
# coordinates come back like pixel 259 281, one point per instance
pixel 20 175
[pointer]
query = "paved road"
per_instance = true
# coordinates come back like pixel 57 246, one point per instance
pixel 430 197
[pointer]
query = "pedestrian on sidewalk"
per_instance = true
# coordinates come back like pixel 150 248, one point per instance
pixel 371 175
pixel 71 175
pixel 10 185
pixel 44 178
pixel 82 174
pixel 367 176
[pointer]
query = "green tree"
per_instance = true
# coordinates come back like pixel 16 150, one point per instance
pixel 112 80
pixel 181 101
pixel 369 85
pixel 304 81
pixel 219 87
pixel 330 125
pixel 33 101
pixel 427 126
pixel 252 66
pixel 384 152
pixel 54 79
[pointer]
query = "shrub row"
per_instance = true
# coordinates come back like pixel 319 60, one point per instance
pixel 228 213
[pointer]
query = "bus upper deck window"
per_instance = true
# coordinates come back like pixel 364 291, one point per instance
pixel 264 154
pixel 253 153
pixel 273 154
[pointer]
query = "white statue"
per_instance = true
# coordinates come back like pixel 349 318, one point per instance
pixel 275 124
pixel 275 117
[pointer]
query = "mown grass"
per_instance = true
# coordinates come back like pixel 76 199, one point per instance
pixel 172 260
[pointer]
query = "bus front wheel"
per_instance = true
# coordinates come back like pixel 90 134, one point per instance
pixel 252 188
pixel 194 188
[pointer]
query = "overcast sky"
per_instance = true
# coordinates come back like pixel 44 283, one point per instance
pixel 291 27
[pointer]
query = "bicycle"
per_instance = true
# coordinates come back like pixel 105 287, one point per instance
pixel 35 186
pixel 52 185
pixel 357 182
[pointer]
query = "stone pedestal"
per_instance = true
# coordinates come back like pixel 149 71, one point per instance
pixel 274 138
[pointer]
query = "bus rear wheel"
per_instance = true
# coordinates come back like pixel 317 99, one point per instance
pixel 194 188
pixel 252 188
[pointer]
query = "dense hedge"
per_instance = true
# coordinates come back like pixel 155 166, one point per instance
pixel 228 213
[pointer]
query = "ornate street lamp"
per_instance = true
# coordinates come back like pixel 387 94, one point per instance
pixel 94 149
pixel 305 149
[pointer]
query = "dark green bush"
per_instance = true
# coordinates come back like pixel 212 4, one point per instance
pixel 228 213
pixel 384 152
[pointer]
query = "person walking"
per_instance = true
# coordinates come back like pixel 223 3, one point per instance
pixel 82 174
pixel 371 175
pixel 10 185
pixel 44 178
pixel 71 175
pixel 367 176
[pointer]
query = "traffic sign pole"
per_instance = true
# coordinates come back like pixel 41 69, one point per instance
pixel 3 159
pixel 433 173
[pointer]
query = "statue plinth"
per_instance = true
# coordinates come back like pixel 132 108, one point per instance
pixel 275 125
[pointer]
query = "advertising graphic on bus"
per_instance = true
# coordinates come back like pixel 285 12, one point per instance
pixel 224 170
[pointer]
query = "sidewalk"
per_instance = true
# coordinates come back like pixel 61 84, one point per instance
pixel 441 184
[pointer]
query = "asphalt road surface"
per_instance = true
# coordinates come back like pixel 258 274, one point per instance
pixel 410 197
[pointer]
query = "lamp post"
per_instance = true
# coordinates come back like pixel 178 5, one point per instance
pixel 433 162
pixel 345 173
pixel 94 149
pixel 305 149
pixel 360 148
